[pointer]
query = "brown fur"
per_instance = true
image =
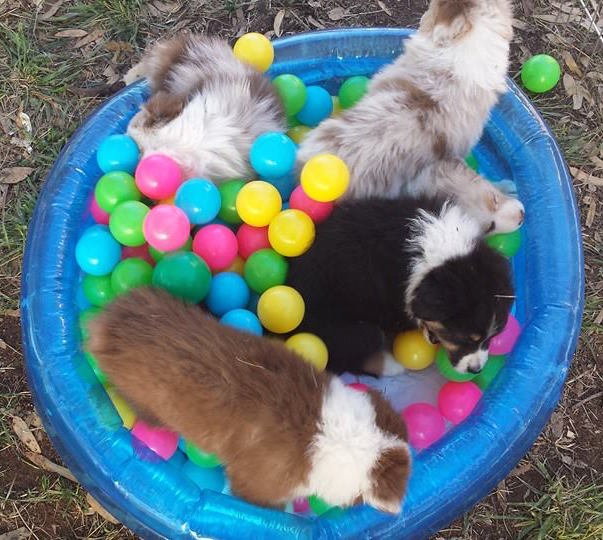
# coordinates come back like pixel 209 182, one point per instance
pixel 408 93
pixel 387 420
pixel 392 465
pixel 448 10
pixel 440 146
pixel 172 52
pixel 162 108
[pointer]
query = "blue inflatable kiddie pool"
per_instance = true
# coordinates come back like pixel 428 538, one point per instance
pixel 154 499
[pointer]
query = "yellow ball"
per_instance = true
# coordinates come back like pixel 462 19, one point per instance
pixel 237 266
pixel 311 348
pixel 291 233
pixel 336 106
pixel 298 133
pixel 413 351
pixel 325 178
pixel 258 202
pixel 281 309
pixel 124 410
pixel 254 49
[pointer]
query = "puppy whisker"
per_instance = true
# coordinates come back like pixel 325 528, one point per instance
pixel 250 363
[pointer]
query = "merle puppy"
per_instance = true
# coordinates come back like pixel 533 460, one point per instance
pixel 380 266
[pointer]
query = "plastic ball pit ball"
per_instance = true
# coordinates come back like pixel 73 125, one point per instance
pixel 336 106
pixel 258 202
pixel 127 415
pixel 97 289
pixel 158 176
pixel 457 400
pixel 251 239
pixel 319 506
pixel 84 318
pixel 281 309
pixel 272 155
pixel 540 73
pixel 317 107
pixel 492 368
pixel 325 178
pixel 131 273
pixel 291 233
pixel 184 275
pixel 114 188
pixel 243 319
pixel 98 214
pixel 285 185
pixel 504 342
pixel 97 252
pixel 471 162
pixel 228 194
pixel 237 266
pixel 447 370
pixel 228 291
pixel 161 441
pixel 292 92
pixel 311 348
pixel 413 351
pixel 102 378
pixel 216 245
pixel 424 423
pixel 507 244
pixel 298 133
pixel 126 223
pixel 199 199
pixel 254 49
pixel 166 228
pixel 318 211
pixel 157 255
pixel 199 457
pixel 301 506
pixel 118 153
pixel 140 252
pixel 211 479
pixel 352 91
pixel 265 269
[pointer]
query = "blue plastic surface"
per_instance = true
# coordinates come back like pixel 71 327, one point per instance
pixel 155 499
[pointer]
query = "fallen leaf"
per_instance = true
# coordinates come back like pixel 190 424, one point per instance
pixel 44 463
pixel 522 468
pixel 51 11
pixel 93 36
pixel 520 25
pixel 95 506
pixel 591 213
pixel 14 175
pixel 13 313
pixel 119 46
pixel 571 63
pixel 569 83
pixel 581 176
pixel 25 435
pixel 3 344
pixel 315 23
pixel 166 7
pixel 24 122
pixel 278 21
pixel 597 161
pixel 314 4
pixel 337 14
pixel 71 33
pixel 384 7
pixel 22 533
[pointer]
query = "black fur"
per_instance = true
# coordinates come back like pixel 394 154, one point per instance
pixel 353 280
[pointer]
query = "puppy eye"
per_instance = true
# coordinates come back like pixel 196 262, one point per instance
pixel 475 338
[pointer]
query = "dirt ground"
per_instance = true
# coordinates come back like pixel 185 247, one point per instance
pixel 59 60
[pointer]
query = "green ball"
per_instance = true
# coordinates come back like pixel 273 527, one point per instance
pixel 131 273
pixel 102 378
pixel 292 122
pixel 84 318
pixel 265 268
pixel 98 290
pixel 471 162
pixel 540 73
pixel 228 209
pixel 158 255
pixel 115 187
pixel 183 274
pixel 292 92
pixel 507 244
pixel 493 366
pixel 199 457
pixel 125 223
pixel 352 91
pixel 319 506
pixel 448 371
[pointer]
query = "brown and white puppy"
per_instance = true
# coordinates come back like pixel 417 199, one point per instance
pixel 206 107
pixel 422 114
pixel 281 429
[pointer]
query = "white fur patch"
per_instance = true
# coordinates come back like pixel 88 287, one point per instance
pixel 476 361
pixel 391 366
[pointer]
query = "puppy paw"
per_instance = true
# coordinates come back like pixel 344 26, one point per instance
pixel 383 364
pixel 509 216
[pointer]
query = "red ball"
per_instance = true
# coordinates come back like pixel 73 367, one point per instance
pixel 141 252
pixel 252 239
pixel 318 211
pixel 457 400
pixel 358 386
pixel 216 245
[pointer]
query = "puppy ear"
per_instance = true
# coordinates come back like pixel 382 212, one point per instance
pixel 447 20
pixel 389 479
pixel 435 299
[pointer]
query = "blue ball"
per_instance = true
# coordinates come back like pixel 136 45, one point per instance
pixel 212 479
pixel 200 200
pixel 118 153
pixel 97 252
pixel 252 305
pixel 80 299
pixel 318 106
pixel 227 291
pixel 285 185
pixel 272 155
pixel 178 459
pixel 243 319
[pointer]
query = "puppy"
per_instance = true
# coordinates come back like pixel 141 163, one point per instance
pixel 281 429
pixel 393 264
pixel 422 114
pixel 206 107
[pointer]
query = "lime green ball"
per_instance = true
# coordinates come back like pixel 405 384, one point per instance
pixel 493 366
pixel 115 187
pixel 199 457
pixel 126 222
pixel 507 244
pixel 158 255
pixel 352 91
pixel 131 273
pixel 471 162
pixel 183 274
pixel 292 92
pixel 102 378
pixel 318 505
pixel 540 73
pixel 265 268
pixel 447 370
pixel 228 209
pixel 98 290
pixel 84 318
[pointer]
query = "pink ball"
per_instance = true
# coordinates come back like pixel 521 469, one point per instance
pixel 166 227
pixel 360 387
pixel 162 441
pixel 424 423
pixel 158 176
pixel 98 214
pixel 504 342
pixel 456 400
pixel 301 506
pixel 216 245
pixel 142 252
pixel 251 239
pixel 318 211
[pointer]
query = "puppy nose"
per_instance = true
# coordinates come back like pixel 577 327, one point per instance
pixel 473 369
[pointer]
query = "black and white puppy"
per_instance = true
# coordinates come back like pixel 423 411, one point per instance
pixel 380 266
